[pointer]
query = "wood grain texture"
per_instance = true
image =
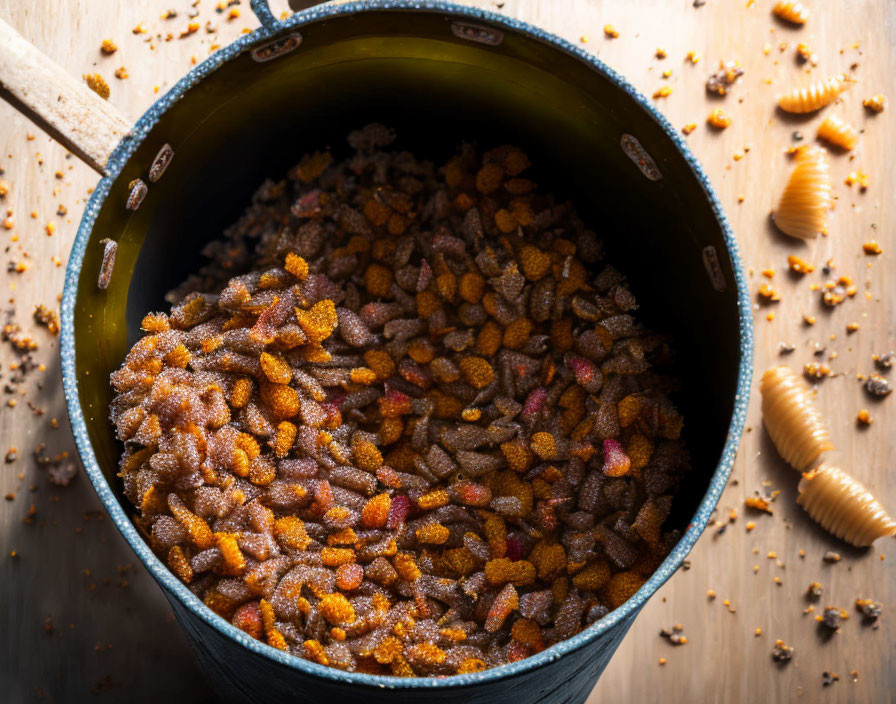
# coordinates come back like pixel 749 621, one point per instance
pixel 109 642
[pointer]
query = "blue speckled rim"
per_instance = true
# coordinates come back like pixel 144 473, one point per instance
pixel 157 568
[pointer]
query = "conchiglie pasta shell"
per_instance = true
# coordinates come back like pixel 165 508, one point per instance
pixel 838 132
pixel 814 96
pixel 794 12
pixel 802 210
pixel 843 506
pixel 791 419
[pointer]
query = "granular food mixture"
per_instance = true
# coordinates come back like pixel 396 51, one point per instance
pixel 422 436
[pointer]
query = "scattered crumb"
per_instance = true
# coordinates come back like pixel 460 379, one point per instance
pixel 878 386
pixel 97 84
pixel 757 503
pixel 769 293
pixel 675 636
pixel 885 360
pixel 870 610
pixel 828 678
pixel 816 371
pixel 728 73
pixel 798 265
pixel 719 119
pixel 876 103
pixel 47 317
pixel 832 617
pixel 859 177
pixel 782 653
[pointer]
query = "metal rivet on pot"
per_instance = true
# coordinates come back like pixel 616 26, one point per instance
pixel 137 194
pixel 714 268
pixel 160 163
pixel 477 33
pixel 110 248
pixel 632 147
pixel 276 48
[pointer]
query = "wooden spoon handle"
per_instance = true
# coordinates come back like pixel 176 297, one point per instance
pixel 58 103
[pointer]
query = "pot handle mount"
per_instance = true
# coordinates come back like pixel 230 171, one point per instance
pixel 64 107
pixel 262 10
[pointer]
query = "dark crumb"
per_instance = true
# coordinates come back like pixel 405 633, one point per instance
pixel 782 652
pixel 699 3
pixel 727 74
pixel 685 565
pixel 814 591
pixel 785 347
pixel 797 136
pixel 828 678
pixel 832 617
pixel 47 317
pixel 13 334
pixel 11 455
pixel 878 386
pixel 675 636
pixel 870 610
pixel 831 556
pixel 885 360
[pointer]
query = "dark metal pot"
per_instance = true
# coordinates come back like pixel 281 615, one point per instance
pixel 438 73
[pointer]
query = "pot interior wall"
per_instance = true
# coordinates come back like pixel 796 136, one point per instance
pixel 249 121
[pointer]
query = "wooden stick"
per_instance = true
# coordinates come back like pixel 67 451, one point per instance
pixel 58 103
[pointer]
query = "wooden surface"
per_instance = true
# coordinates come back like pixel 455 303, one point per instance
pixel 82 622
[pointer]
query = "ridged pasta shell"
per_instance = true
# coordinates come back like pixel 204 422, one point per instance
pixel 814 96
pixel 838 132
pixel 794 12
pixel 791 419
pixel 843 506
pixel 802 210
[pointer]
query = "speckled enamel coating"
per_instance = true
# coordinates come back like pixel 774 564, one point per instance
pixel 242 669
